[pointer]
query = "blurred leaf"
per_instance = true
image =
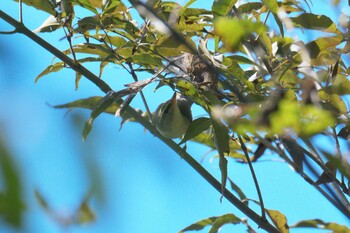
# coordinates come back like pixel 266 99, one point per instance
pixel 41 200
pixel 49 25
pixel 250 6
pixel 233 31
pixel 319 224
pixel 344 132
pixel 216 222
pixel 334 102
pixel 340 86
pixel 222 7
pixel 170 47
pixel 11 205
pixel 196 127
pixel 304 120
pixel 315 22
pixel 183 9
pixel 85 213
pixel 337 163
pixel 51 68
pixel 279 220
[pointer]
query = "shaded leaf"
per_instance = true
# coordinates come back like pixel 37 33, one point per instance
pixel 315 22
pixel 221 139
pixel 196 127
pixel 87 5
pixel 259 152
pixel 44 5
pixel 238 190
pixel 223 7
pixel 326 176
pixel 295 151
pixel 279 220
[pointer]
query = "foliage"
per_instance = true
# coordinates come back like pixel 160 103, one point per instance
pixel 244 64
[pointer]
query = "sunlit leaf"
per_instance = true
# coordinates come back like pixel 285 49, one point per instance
pixel 319 224
pixel 334 102
pixel 49 25
pixel 279 220
pixel 222 220
pixel 51 68
pixel 217 221
pixel 272 5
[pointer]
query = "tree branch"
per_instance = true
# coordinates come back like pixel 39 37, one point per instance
pixel 262 223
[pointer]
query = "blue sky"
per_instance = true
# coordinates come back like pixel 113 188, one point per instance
pixel 143 185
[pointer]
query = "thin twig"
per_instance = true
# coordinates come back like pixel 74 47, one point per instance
pixel 244 149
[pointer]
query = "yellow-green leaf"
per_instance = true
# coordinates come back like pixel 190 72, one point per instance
pixel 272 5
pixel 279 220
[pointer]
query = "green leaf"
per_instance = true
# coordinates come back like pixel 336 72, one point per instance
pixel 196 127
pixel 272 5
pixel 221 139
pixel 333 101
pixel 145 60
pixel 279 220
pixel 222 220
pixel 183 9
pixel 85 213
pixel 238 190
pixel 77 79
pixel 51 68
pixel 233 31
pixel 89 103
pixel 218 221
pixel 315 22
pixel 101 107
pixel 86 4
pixel 250 6
pixel 44 5
pixel 319 224
pixel 11 205
pixel 304 120
pixel 222 7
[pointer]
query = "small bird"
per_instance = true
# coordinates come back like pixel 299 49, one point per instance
pixel 173 117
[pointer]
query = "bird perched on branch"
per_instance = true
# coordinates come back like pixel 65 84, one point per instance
pixel 173 117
